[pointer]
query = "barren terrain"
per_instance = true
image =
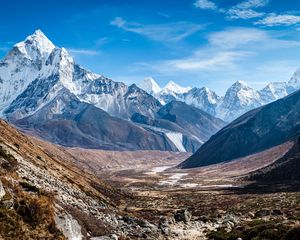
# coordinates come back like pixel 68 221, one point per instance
pixel 211 200
pixel 150 198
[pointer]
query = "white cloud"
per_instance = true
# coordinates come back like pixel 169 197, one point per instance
pixel 226 49
pixel 205 60
pixel 243 10
pixel 86 52
pixel 237 37
pixel 205 4
pixel 118 21
pixel 277 20
pixel 248 4
pixel 169 32
pixel 248 38
pixel 235 13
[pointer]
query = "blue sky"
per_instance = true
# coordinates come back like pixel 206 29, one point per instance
pixel 209 43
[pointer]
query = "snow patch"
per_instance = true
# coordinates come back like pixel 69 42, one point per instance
pixel 149 85
pixel 177 139
pixel 158 169
pixel 175 178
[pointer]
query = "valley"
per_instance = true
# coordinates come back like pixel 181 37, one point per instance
pixel 207 198
pixel 85 157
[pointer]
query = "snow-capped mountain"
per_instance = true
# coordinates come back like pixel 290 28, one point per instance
pixel 171 92
pixel 175 88
pixel 238 99
pixel 149 85
pixel 294 82
pixel 202 98
pixel 21 66
pixel 40 70
pixel 274 91
pixel 44 91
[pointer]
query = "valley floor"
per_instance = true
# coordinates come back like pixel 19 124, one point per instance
pixel 189 204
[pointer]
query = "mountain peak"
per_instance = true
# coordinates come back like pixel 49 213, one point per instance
pixel 37 42
pixel 205 89
pixel 174 87
pixel 240 83
pixel 238 86
pixel 295 79
pixel 149 85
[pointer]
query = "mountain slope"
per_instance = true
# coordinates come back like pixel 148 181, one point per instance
pixel 197 122
pixel 186 126
pixel 67 121
pixel 42 190
pixel 256 130
pixel 284 169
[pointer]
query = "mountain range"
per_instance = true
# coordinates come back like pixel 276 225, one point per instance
pixel 44 92
pixel 238 99
pixel 255 131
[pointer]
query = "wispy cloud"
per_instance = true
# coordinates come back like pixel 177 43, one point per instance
pixel 252 4
pixel 243 10
pixel 200 61
pixel 84 52
pixel 237 37
pixel 168 32
pixel 118 21
pixel 205 4
pixel 248 38
pixel 277 20
pixel 235 13
pixel 224 50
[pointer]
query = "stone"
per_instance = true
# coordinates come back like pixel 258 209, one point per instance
pixel 2 191
pixel 263 213
pixel 183 216
pixel 277 212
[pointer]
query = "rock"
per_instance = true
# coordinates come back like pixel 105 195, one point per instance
pixel 277 212
pixel 110 237
pixel 251 214
pixel 8 204
pixel 183 216
pixel 68 225
pixel 2 191
pixel 203 218
pixel 263 213
pixel 239 239
pixel 164 225
pixel 230 218
pixel 128 219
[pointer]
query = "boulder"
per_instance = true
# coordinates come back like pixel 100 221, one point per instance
pixel 182 216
